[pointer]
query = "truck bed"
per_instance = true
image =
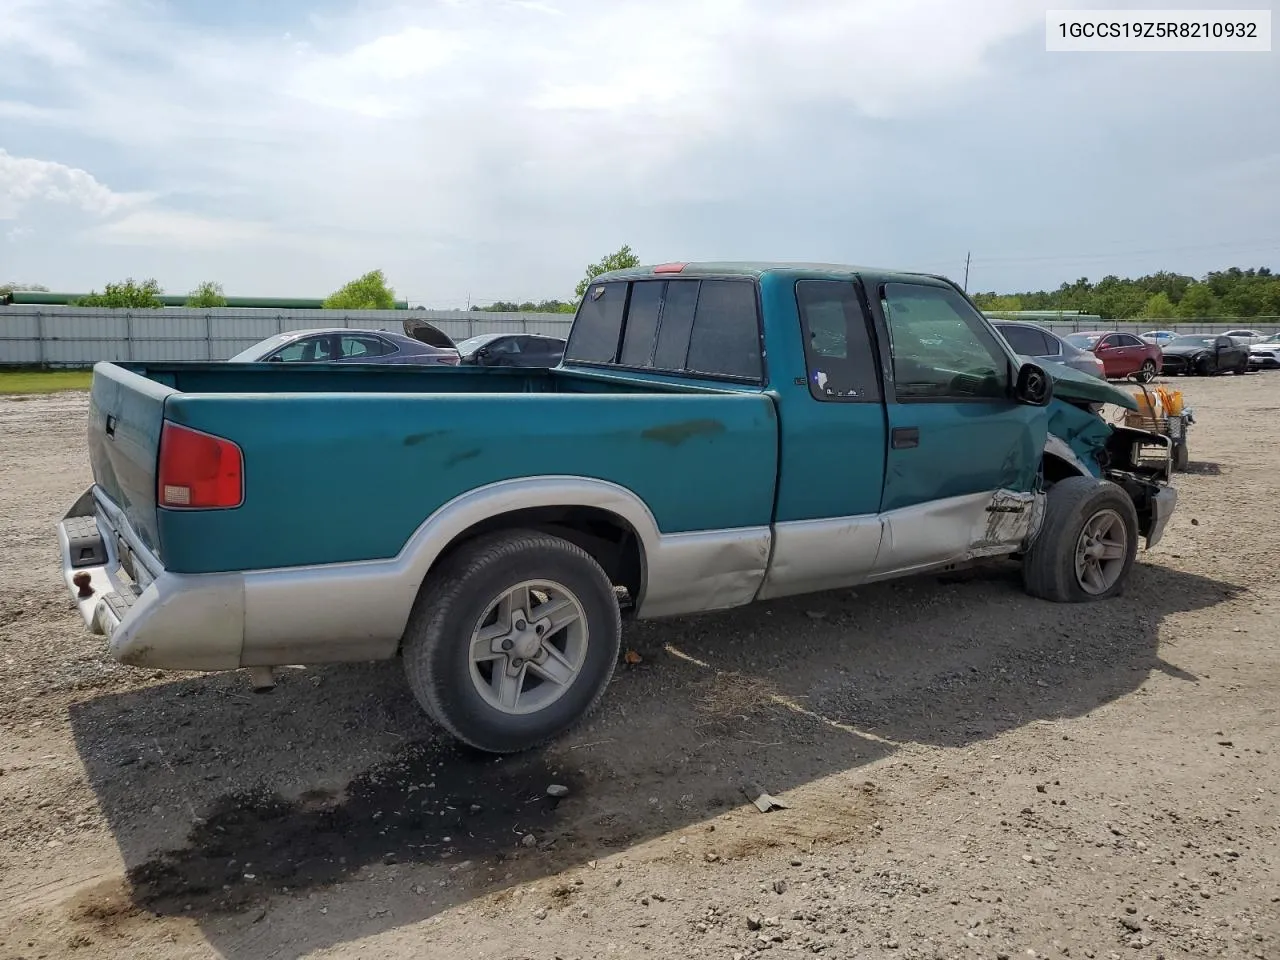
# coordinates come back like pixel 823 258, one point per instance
pixel 343 464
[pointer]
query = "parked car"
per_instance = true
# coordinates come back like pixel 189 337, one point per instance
pixel 1036 342
pixel 345 346
pixel 1265 353
pixel 1158 337
pixel 511 350
pixel 1122 354
pixel 784 429
pixel 1246 336
pixel 1205 355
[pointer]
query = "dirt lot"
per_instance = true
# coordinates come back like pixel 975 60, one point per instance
pixel 969 773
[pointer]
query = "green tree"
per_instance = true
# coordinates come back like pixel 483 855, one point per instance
pixel 1159 307
pixel 207 294
pixel 1198 302
pixel 620 260
pixel 127 295
pixel 997 303
pixel 369 292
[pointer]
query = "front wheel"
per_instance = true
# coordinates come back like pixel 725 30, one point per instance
pixel 513 641
pixel 1086 545
pixel 1147 372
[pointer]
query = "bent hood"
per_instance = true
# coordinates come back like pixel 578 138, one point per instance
pixel 1072 384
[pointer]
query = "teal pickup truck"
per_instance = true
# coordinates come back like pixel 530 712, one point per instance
pixel 716 434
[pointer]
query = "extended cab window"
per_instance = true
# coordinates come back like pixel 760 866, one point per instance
pixel 837 345
pixel 705 327
pixel 942 349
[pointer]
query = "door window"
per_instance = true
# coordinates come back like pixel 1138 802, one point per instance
pixel 942 348
pixel 306 350
pixel 839 351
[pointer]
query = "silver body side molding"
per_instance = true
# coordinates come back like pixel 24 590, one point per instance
pixel 358 611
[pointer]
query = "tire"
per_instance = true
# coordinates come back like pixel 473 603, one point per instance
pixel 449 615
pixel 1243 368
pixel 1049 568
pixel 1181 456
pixel 1147 372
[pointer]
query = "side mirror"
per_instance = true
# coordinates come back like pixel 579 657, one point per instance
pixel 1033 386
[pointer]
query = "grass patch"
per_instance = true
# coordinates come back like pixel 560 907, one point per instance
pixel 43 381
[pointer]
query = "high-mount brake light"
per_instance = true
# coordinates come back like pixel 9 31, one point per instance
pixel 669 268
pixel 198 470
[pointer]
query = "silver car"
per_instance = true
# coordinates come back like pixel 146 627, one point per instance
pixel 1039 343
pixel 343 345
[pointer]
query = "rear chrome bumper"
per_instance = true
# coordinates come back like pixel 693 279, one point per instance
pixel 150 617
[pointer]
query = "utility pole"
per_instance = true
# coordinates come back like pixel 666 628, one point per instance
pixel 966 271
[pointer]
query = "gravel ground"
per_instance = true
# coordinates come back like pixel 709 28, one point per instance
pixel 967 772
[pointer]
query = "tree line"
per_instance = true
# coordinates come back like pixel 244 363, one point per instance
pixel 1233 294
pixel 368 292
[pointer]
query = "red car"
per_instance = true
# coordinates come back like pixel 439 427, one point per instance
pixel 1122 354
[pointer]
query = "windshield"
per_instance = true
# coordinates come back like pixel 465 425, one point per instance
pixel 261 348
pixel 472 344
pixel 1274 338
pixel 1191 341
pixel 1084 340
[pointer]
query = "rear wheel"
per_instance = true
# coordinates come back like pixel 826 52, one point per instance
pixel 513 641
pixel 1147 372
pixel 1243 368
pixel 1181 456
pixel 1087 544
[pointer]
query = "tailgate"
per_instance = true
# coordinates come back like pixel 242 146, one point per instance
pixel 126 412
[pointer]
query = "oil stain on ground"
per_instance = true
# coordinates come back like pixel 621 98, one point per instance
pixel 427 802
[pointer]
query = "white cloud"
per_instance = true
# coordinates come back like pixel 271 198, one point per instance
pixel 174 229
pixel 26 180
pixel 453 140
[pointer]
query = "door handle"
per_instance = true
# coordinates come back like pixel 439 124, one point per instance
pixel 901 438
pixel 111 425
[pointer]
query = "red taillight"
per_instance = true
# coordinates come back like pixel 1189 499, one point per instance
pixel 198 470
pixel 668 268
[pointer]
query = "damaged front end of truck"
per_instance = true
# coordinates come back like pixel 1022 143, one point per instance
pixel 1082 442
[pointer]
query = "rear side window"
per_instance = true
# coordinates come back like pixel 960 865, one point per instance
pixel 594 338
pixel 707 327
pixel 1026 341
pixel 837 343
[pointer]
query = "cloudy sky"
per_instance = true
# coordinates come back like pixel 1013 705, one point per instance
pixel 491 148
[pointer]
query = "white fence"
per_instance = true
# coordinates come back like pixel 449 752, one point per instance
pixel 81 336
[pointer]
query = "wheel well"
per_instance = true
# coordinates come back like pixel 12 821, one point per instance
pixel 610 540
pixel 1057 469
